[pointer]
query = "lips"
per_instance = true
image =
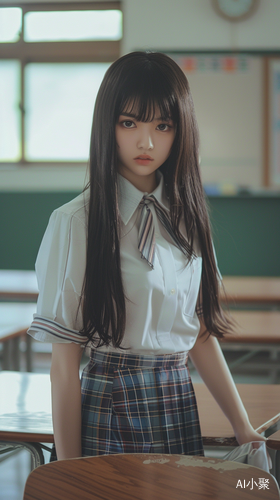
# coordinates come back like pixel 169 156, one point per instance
pixel 143 157
pixel 143 160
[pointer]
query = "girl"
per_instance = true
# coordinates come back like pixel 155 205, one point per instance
pixel 128 268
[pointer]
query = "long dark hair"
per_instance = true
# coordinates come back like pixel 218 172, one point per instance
pixel 143 82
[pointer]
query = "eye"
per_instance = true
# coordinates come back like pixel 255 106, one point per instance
pixel 163 127
pixel 128 124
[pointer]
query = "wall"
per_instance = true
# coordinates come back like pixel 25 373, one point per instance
pixel 193 24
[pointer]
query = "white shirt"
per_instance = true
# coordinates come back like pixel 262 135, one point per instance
pixel 161 312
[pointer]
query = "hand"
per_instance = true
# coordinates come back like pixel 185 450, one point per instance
pixel 247 435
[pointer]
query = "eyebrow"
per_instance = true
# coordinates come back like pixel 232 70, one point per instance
pixel 160 118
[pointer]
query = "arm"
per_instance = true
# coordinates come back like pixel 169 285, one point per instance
pixel 210 363
pixel 66 399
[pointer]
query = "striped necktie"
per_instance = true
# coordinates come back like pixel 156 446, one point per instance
pixel 146 242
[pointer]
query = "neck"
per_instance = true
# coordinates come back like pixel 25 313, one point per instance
pixel 146 184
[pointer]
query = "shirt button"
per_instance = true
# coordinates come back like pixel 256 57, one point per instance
pixel 172 291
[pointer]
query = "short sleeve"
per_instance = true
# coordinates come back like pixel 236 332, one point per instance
pixel 60 268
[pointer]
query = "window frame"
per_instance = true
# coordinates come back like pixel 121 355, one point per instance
pixel 55 52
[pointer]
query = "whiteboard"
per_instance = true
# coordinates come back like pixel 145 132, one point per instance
pixel 228 98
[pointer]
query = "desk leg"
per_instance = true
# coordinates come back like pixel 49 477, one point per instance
pixel 11 354
pixel 11 358
pixel 28 353
pixel 15 357
pixel 37 456
pixel 6 356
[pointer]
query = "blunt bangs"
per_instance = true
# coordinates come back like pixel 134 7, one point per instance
pixel 147 95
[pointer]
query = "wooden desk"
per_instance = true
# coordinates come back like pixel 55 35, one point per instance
pixel 15 319
pixel 256 331
pixel 255 290
pixel 25 409
pixel 152 477
pixel 262 403
pixel 255 327
pixel 18 285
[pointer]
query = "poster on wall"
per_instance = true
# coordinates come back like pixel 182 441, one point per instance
pixel 275 122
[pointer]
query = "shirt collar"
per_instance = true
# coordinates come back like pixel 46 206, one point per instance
pixel 129 196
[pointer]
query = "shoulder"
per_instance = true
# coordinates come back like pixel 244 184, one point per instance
pixel 67 225
pixel 75 210
pixel 64 242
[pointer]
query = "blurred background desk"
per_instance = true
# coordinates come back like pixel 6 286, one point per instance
pixel 15 319
pixel 18 285
pixel 256 333
pixel 252 290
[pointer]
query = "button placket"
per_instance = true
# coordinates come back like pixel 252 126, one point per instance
pixel 169 303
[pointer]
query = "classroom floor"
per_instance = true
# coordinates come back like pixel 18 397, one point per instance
pixel 14 470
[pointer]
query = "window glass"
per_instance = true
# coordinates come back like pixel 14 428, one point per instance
pixel 73 25
pixel 59 106
pixel 9 110
pixel 10 24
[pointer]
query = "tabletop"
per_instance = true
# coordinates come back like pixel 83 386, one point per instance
pixel 252 289
pixel 18 285
pixel 255 327
pixel 261 401
pixel 152 477
pixel 25 408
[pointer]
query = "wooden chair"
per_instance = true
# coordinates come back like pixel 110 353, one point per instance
pixel 15 319
pixel 156 477
pixel 10 356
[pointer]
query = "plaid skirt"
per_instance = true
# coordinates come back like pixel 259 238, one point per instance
pixel 139 404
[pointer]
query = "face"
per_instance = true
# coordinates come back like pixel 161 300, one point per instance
pixel 142 148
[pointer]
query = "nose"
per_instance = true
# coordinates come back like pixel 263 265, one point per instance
pixel 145 140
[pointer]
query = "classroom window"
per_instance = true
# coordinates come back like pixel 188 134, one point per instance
pixel 9 110
pixel 53 59
pixel 59 101
pixel 75 25
pixel 10 24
